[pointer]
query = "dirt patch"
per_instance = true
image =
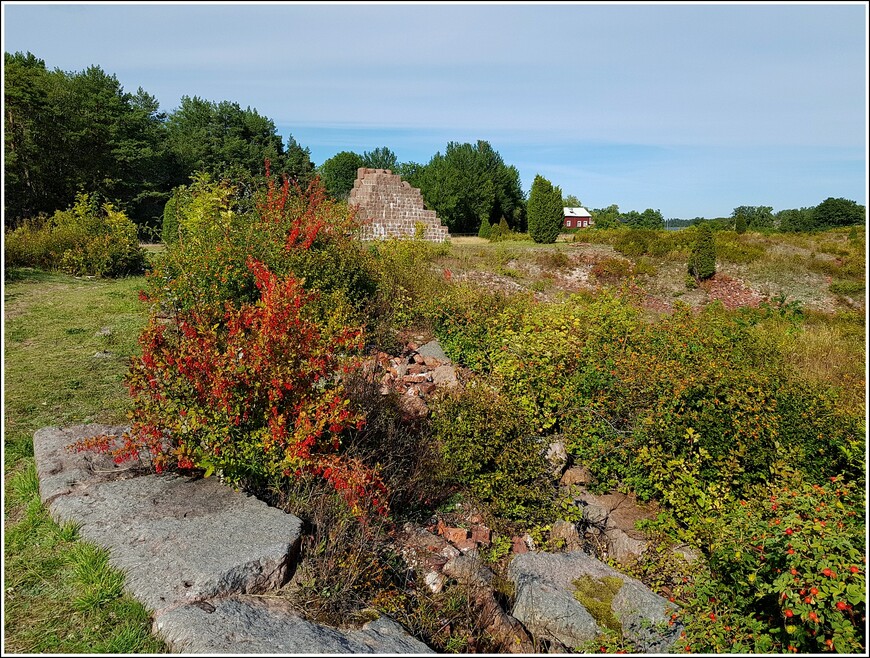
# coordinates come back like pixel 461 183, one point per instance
pixel 732 292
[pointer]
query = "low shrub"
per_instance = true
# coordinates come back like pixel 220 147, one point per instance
pixel 249 336
pixel 635 242
pixel 737 248
pixel 86 239
pixel 848 288
pixel 786 573
pixel 552 260
pixel 612 270
pixel 491 449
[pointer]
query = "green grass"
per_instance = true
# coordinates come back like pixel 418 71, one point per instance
pixel 66 349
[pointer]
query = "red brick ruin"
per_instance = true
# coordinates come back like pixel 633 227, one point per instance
pixel 390 207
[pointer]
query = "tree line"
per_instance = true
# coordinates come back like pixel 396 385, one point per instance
pixel 68 133
pixel 73 132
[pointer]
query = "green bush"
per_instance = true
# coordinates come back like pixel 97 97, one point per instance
pixel 612 270
pixel 83 240
pixel 786 573
pixel 635 242
pixel 208 267
pixel 245 379
pixel 491 449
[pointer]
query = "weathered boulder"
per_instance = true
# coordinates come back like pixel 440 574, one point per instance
pixel 576 476
pixel 445 376
pixel 557 457
pixel 547 606
pixel 567 533
pixel 477 580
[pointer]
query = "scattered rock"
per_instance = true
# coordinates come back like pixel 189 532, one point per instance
pixel 567 532
pixel 434 581
pixel 557 456
pixel 478 581
pixel 616 515
pixel 519 546
pixel 481 535
pixel 454 535
pixel 102 354
pixel 104 331
pixel 413 406
pixel 445 376
pixel 433 350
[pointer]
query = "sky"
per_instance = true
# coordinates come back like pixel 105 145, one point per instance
pixel 690 109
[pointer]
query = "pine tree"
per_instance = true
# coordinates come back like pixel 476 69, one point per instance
pixel 702 263
pixel 544 211
pixel 740 224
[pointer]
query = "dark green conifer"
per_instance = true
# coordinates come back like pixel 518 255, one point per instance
pixel 702 262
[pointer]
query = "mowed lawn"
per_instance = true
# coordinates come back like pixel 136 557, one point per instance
pixel 67 342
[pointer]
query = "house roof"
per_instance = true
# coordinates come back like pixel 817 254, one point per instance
pixel 576 212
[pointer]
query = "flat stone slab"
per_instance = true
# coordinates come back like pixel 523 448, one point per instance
pixel 545 602
pixel 192 550
pixel 178 539
pixel 248 625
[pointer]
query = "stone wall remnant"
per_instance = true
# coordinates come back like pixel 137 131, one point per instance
pixel 390 207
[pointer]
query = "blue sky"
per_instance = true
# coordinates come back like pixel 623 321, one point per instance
pixel 690 109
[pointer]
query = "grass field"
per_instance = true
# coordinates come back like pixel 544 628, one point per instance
pixel 66 347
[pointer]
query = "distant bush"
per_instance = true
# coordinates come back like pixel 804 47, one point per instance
pixel 841 287
pixel 612 270
pixel 635 242
pixel 85 240
pixel 485 229
pixel 552 260
pixel 732 248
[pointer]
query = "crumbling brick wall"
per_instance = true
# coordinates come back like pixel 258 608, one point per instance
pixel 390 207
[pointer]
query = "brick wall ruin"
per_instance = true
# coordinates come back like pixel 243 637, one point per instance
pixel 390 207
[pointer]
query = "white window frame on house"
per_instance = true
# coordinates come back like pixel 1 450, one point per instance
pixel 568 224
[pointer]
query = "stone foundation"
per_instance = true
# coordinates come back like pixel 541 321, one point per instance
pixel 390 207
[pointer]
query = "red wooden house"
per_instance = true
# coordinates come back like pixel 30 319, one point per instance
pixel 577 217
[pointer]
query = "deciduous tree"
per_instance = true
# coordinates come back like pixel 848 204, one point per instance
pixel 339 172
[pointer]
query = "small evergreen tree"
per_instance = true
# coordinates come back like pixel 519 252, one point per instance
pixel 544 211
pixel 702 262
pixel 485 229
pixel 740 223
pixel 495 233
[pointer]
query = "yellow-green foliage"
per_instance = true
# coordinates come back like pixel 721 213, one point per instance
pixel 190 206
pixel 84 240
pixel 596 595
pixel 491 449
